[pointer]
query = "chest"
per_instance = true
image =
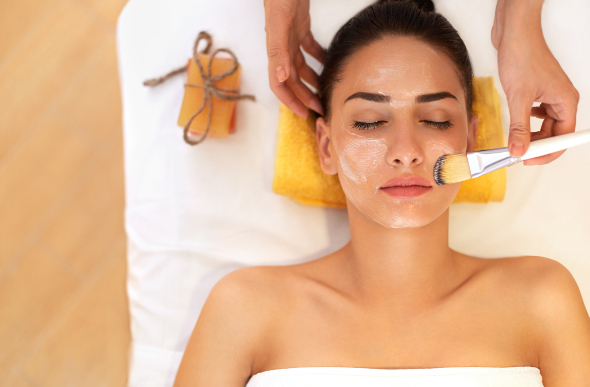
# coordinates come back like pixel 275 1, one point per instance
pixel 480 331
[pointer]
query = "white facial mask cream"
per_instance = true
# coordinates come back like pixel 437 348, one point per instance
pixel 364 168
pixel 402 69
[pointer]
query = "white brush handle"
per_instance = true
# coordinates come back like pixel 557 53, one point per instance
pixel 556 143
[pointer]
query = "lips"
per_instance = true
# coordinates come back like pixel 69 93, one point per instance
pixel 408 187
pixel 407 181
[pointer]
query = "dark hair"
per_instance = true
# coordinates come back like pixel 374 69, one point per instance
pixel 394 18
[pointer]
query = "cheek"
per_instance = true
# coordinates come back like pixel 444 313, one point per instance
pixel 436 148
pixel 440 148
pixel 360 157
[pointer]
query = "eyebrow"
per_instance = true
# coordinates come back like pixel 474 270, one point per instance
pixel 385 98
pixel 434 97
pixel 369 97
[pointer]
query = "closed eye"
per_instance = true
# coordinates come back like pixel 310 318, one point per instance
pixel 371 125
pixel 367 125
pixel 439 124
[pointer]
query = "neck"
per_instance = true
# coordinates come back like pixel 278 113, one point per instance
pixel 410 267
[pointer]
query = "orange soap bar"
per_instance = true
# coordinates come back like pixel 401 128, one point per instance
pixel 223 115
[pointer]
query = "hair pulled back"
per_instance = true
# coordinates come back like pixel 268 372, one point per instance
pixel 387 18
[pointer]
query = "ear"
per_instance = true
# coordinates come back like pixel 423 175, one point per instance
pixel 325 147
pixel 472 133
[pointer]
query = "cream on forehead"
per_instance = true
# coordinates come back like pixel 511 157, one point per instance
pixel 401 74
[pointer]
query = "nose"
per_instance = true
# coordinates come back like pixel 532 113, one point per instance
pixel 404 146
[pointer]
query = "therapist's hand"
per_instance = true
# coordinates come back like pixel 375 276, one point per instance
pixel 287 26
pixel 530 73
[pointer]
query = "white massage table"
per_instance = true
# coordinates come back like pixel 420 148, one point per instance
pixel 195 214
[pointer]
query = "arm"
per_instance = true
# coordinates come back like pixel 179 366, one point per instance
pixel 530 73
pixel 563 326
pixel 220 349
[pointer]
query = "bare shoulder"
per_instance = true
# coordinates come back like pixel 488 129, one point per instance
pixel 531 273
pixel 249 283
pixel 560 319
pixel 546 285
pixel 222 346
pixel 247 298
pixel 550 285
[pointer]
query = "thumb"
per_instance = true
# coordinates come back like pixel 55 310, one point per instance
pixel 519 137
pixel 277 37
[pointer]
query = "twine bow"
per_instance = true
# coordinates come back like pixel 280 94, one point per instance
pixel 208 85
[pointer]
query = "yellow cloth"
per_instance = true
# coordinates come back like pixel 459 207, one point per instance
pixel 299 176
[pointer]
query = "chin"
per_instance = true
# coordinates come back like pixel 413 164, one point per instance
pixel 402 213
pixel 395 217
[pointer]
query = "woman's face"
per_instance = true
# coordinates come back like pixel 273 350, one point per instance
pixel 398 107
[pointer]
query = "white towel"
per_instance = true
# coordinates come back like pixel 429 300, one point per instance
pixel 427 377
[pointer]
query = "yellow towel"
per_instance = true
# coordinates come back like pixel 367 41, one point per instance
pixel 299 176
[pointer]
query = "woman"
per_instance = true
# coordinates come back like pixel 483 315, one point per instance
pixel 396 92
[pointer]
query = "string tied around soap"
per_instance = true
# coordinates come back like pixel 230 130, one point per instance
pixel 208 86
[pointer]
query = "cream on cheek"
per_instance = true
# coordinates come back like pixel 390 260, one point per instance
pixel 363 162
pixel 364 168
pixel 439 148
pixel 361 157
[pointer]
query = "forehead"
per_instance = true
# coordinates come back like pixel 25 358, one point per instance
pixel 401 67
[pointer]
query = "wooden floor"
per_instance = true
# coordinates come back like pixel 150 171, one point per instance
pixel 64 317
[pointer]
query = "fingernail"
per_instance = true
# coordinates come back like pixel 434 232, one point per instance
pixel 517 148
pixel 281 74
pixel 315 105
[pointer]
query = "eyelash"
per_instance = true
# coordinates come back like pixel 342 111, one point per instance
pixel 366 125
pixel 441 125
pixel 370 125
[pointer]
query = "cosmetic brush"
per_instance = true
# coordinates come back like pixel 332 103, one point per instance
pixel 460 167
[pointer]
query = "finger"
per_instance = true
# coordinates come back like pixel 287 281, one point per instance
pixel 565 116
pixel 313 48
pixel 538 112
pixel 519 107
pixel 546 131
pixel 303 93
pixel 277 42
pixel 561 119
pixel 307 74
pixel 286 96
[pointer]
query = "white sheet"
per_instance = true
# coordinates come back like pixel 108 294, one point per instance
pixel 196 213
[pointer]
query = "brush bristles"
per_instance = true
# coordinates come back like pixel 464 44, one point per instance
pixel 451 169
